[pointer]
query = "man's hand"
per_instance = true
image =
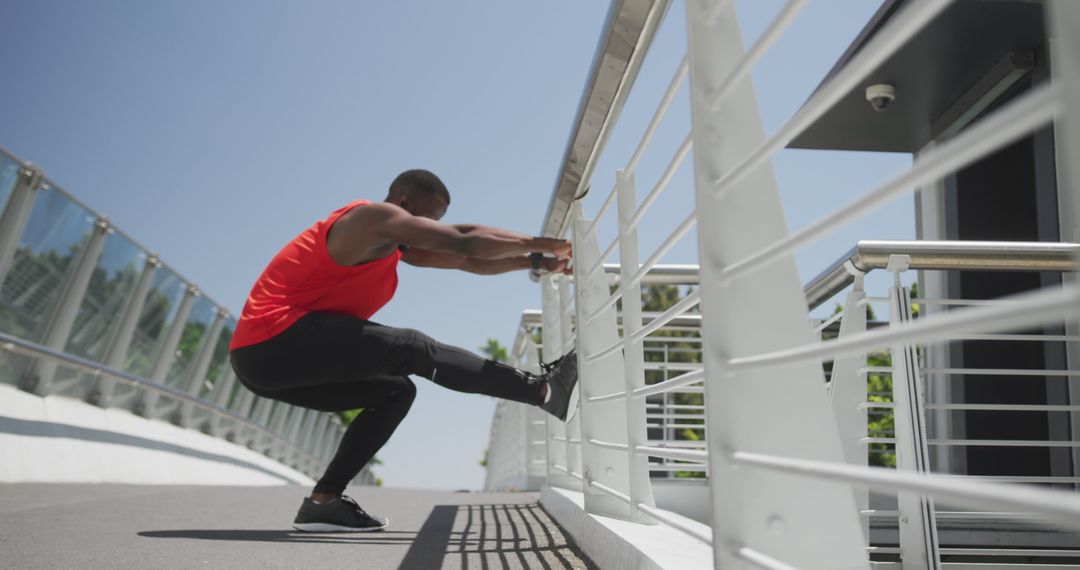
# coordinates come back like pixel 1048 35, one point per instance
pixel 556 265
pixel 560 248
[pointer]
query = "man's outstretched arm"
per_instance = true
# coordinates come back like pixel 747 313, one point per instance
pixel 383 222
pixel 425 258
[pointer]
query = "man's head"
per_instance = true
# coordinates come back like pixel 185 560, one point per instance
pixel 421 193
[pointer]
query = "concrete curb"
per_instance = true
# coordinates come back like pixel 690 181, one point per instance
pixel 614 543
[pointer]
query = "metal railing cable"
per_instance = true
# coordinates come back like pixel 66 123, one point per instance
pixel 1044 306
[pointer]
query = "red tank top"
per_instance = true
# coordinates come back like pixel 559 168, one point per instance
pixel 303 278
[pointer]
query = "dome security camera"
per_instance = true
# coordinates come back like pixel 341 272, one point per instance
pixel 880 95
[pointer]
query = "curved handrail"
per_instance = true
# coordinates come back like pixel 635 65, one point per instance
pixel 626 36
pixel 868 255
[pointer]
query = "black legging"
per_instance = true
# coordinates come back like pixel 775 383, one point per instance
pixel 333 362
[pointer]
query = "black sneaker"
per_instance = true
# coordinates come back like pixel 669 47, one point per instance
pixel 562 380
pixel 340 515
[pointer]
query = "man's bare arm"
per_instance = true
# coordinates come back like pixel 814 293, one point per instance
pixel 383 222
pixel 441 260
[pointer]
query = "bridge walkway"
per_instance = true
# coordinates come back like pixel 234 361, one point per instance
pixel 136 526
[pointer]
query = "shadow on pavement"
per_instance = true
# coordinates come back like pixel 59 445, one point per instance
pixel 452 536
pixel 492 536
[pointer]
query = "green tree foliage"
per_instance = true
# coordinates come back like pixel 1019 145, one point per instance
pixel 655 299
pixel 495 351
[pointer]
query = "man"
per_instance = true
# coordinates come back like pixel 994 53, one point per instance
pixel 304 336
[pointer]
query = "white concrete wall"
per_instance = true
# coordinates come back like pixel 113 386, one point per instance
pixel 59 439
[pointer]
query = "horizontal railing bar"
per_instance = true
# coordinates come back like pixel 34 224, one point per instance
pixel 979 551
pixel 974 494
pixel 760 560
pixel 602 487
pixel 1006 407
pixel 672 383
pixel 685 304
pixel 608 201
pixel 1022 337
pixel 661 183
pixel 658 116
pixel 675 426
pixel 599 264
pixel 882 46
pixel 691 377
pixel 746 63
pixel 608 445
pixel 675 416
pixel 646 137
pixel 675 523
pixel 1036 107
pixel 676 310
pixel 685 226
pixel 660 274
pixel 951 302
pixel 869 255
pixel 827 322
pixel 573 474
pixel 1047 305
pixel 613 397
pixel 1000 372
pixel 686 443
pixel 676 406
pixel 682 454
pixel 980 442
pixel 14 344
pixel 959 515
pixel 688 467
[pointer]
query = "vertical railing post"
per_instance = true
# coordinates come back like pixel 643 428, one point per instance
pixel 201 363
pixel 304 443
pixel 205 352
pixel 116 354
pixel 847 392
pixel 318 441
pixel 40 375
pixel 569 340
pixel 147 403
pixel 633 352
pixel 289 456
pixel 535 425
pixel 605 422
pixel 260 415
pixel 552 339
pixel 16 213
pixel 918 528
pixel 792 519
pixel 223 388
pixel 1064 25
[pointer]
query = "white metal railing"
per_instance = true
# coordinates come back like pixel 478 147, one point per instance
pixel 782 497
pixel 66 334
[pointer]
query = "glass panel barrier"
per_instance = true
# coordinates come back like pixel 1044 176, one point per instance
pixel 54 235
pixel 158 312
pixel 109 290
pixel 9 174
pixel 198 322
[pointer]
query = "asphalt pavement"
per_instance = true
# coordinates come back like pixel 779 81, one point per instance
pixel 134 526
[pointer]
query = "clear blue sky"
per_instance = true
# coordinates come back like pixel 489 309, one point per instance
pixel 213 132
